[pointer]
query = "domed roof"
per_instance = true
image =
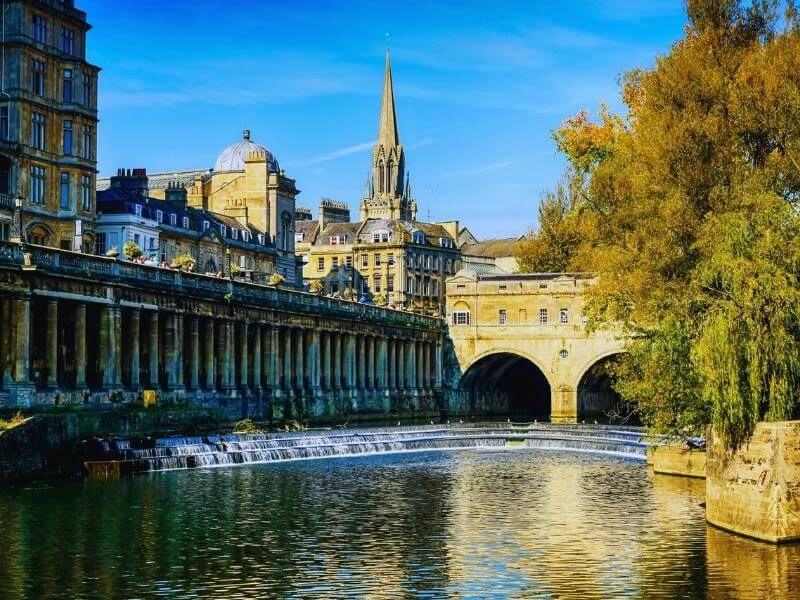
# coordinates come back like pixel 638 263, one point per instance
pixel 232 158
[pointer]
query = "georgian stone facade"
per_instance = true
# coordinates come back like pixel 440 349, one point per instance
pixel 80 329
pixel 48 124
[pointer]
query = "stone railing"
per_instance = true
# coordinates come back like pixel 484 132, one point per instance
pixel 169 281
pixel 6 201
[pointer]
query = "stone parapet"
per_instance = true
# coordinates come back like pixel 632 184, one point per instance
pixel 755 490
pixel 679 460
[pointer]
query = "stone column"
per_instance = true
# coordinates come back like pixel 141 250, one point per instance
pixel 419 370
pixel 5 343
pixel 108 345
pixel 383 363
pixel 426 364
pixel 437 373
pixel 179 354
pixel 401 364
pixel 299 351
pixel 244 362
pixel 230 355
pixel 337 343
pixel 210 356
pixel 392 366
pixel 349 362
pixel 154 350
pixel 371 361
pixel 314 368
pixel 222 354
pixel 411 365
pixel 194 353
pixel 362 362
pixel 80 346
pixel 257 373
pixel 171 351
pixel 135 357
pixel 274 357
pixel 287 358
pixel 326 360
pixel 117 346
pixel 52 344
pixel 22 341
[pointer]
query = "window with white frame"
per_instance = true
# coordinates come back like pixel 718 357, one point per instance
pixel 380 236
pixel 446 242
pixel 337 240
pixel 364 261
pixel 173 219
pixel 435 284
pixel 223 229
pixel 206 225
pixel 564 312
pixel 378 260
pixel 299 236
pixel 542 316
pixel 86 193
pixel 376 283
pixel 160 216
pixel 390 259
pixel 185 222
pixel 460 317
pixel 418 237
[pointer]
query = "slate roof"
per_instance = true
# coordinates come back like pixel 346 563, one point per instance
pixel 157 181
pixel 310 229
pixel 493 248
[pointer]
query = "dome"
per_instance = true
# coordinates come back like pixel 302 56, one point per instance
pixel 232 158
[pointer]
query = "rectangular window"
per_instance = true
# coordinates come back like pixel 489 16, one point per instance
pixel 4 122
pixel 502 317
pixel 364 261
pixel 426 287
pixel 410 286
pixel 86 142
pixel 235 234
pixel 223 229
pixel 376 284
pixel 461 317
pixel 160 216
pixel 435 283
pixel 38 124
pixel 37 77
pixel 377 260
pixel 64 201
pixel 39 28
pixel 173 219
pixel 206 225
pixel 448 265
pixel 137 210
pixel 320 263
pixel 564 316
pixel 381 236
pixel 542 316
pixel 502 288
pixel 86 193
pixel 36 192
pixel 335 262
pixel 390 259
pixel 67 138
pixel 100 243
pixel 87 89
pixel 185 222
pixel 348 261
pixel 390 283
pixel 67 86
pixel 136 239
pixel 67 41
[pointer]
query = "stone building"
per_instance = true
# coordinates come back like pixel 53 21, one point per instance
pixel 246 185
pixel 48 125
pixel 388 253
pixel 168 228
pixel 499 253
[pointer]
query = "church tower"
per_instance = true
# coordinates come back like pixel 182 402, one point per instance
pixel 388 193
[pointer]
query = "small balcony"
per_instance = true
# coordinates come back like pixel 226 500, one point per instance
pixel 6 201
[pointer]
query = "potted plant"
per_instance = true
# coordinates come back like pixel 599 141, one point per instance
pixel 316 287
pixel 380 299
pixel 112 252
pixel 276 279
pixel 183 262
pixel 132 250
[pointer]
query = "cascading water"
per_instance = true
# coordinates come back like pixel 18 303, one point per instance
pixel 158 454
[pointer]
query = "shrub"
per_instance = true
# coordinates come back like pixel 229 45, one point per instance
pixel 132 250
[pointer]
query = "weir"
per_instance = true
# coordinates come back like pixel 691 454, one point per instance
pixel 115 456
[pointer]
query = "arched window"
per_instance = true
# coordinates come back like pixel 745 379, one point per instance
pixel 39 235
pixel 461 314
pixel 286 231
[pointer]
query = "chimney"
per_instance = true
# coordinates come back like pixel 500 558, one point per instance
pixel 175 193
pixel 132 180
pixel 452 228
pixel 331 211
pixel 301 213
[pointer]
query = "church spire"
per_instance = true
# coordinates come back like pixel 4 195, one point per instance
pixel 387 130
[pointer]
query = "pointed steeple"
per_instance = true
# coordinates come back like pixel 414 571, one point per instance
pixel 387 130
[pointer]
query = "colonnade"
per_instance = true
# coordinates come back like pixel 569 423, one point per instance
pixel 56 343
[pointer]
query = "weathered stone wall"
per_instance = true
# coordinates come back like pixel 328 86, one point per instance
pixel 755 490
pixel 679 460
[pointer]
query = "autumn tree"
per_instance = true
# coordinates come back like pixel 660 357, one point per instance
pixel 688 220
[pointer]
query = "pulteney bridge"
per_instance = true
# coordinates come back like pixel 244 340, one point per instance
pixel 522 347
pixel 82 329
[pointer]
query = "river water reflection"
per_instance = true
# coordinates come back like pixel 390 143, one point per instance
pixel 506 524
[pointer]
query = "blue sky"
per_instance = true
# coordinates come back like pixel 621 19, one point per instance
pixel 479 87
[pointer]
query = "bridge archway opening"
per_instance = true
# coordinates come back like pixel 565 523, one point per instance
pixel 597 397
pixel 508 384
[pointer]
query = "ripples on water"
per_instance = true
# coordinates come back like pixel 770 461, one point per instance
pixel 521 524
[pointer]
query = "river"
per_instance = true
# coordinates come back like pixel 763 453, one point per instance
pixel 464 524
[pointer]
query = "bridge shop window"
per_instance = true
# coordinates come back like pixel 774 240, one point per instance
pixel 502 317
pixel 542 316
pixel 460 317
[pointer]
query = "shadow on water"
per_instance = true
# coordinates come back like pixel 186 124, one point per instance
pixel 463 524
